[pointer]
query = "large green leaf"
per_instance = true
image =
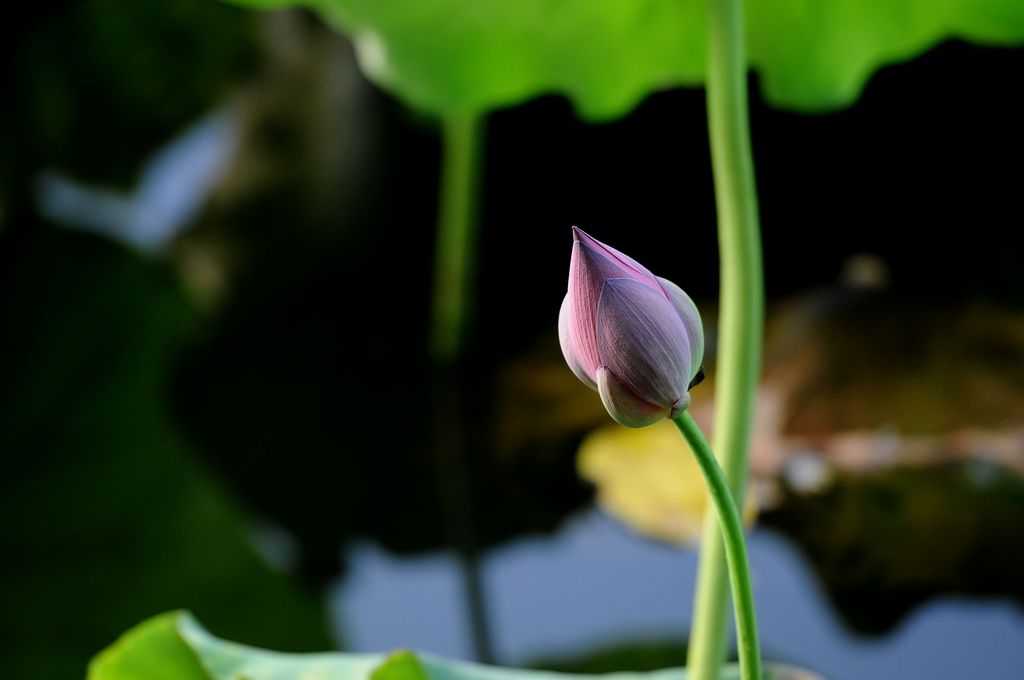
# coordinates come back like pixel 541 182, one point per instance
pixel 176 641
pixel 606 55
pixel 154 650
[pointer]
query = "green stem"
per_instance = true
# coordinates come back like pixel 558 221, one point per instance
pixel 455 254
pixel 741 312
pixel 731 530
pixel 453 306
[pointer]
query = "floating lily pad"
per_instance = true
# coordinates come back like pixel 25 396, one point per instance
pixel 176 641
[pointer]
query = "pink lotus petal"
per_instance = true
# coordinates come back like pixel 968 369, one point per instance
pixel 636 338
pixel 591 265
pixel 565 338
pixel 617 264
pixel 642 340
pixel 691 321
pixel 623 405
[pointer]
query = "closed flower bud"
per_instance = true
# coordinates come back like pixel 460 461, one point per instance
pixel 634 337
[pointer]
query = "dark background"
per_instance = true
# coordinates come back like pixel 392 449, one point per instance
pixel 267 366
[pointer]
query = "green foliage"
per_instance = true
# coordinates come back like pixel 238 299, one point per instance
pixel 149 651
pixel 403 665
pixel 153 650
pixel 450 56
pixel 224 660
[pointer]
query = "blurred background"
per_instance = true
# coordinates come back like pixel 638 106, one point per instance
pixel 216 255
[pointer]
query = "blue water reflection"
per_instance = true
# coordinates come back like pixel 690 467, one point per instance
pixel 595 584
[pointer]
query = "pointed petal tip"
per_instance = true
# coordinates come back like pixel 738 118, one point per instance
pixel 581 236
pixel 588 247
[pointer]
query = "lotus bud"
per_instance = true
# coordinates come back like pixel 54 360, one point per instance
pixel 634 337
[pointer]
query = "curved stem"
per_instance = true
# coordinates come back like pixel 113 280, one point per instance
pixel 741 312
pixel 731 530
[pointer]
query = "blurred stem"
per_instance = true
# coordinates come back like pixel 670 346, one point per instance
pixel 455 251
pixel 453 307
pixel 740 316
pixel 731 530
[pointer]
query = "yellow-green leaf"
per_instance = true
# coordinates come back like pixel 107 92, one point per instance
pixel 153 650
